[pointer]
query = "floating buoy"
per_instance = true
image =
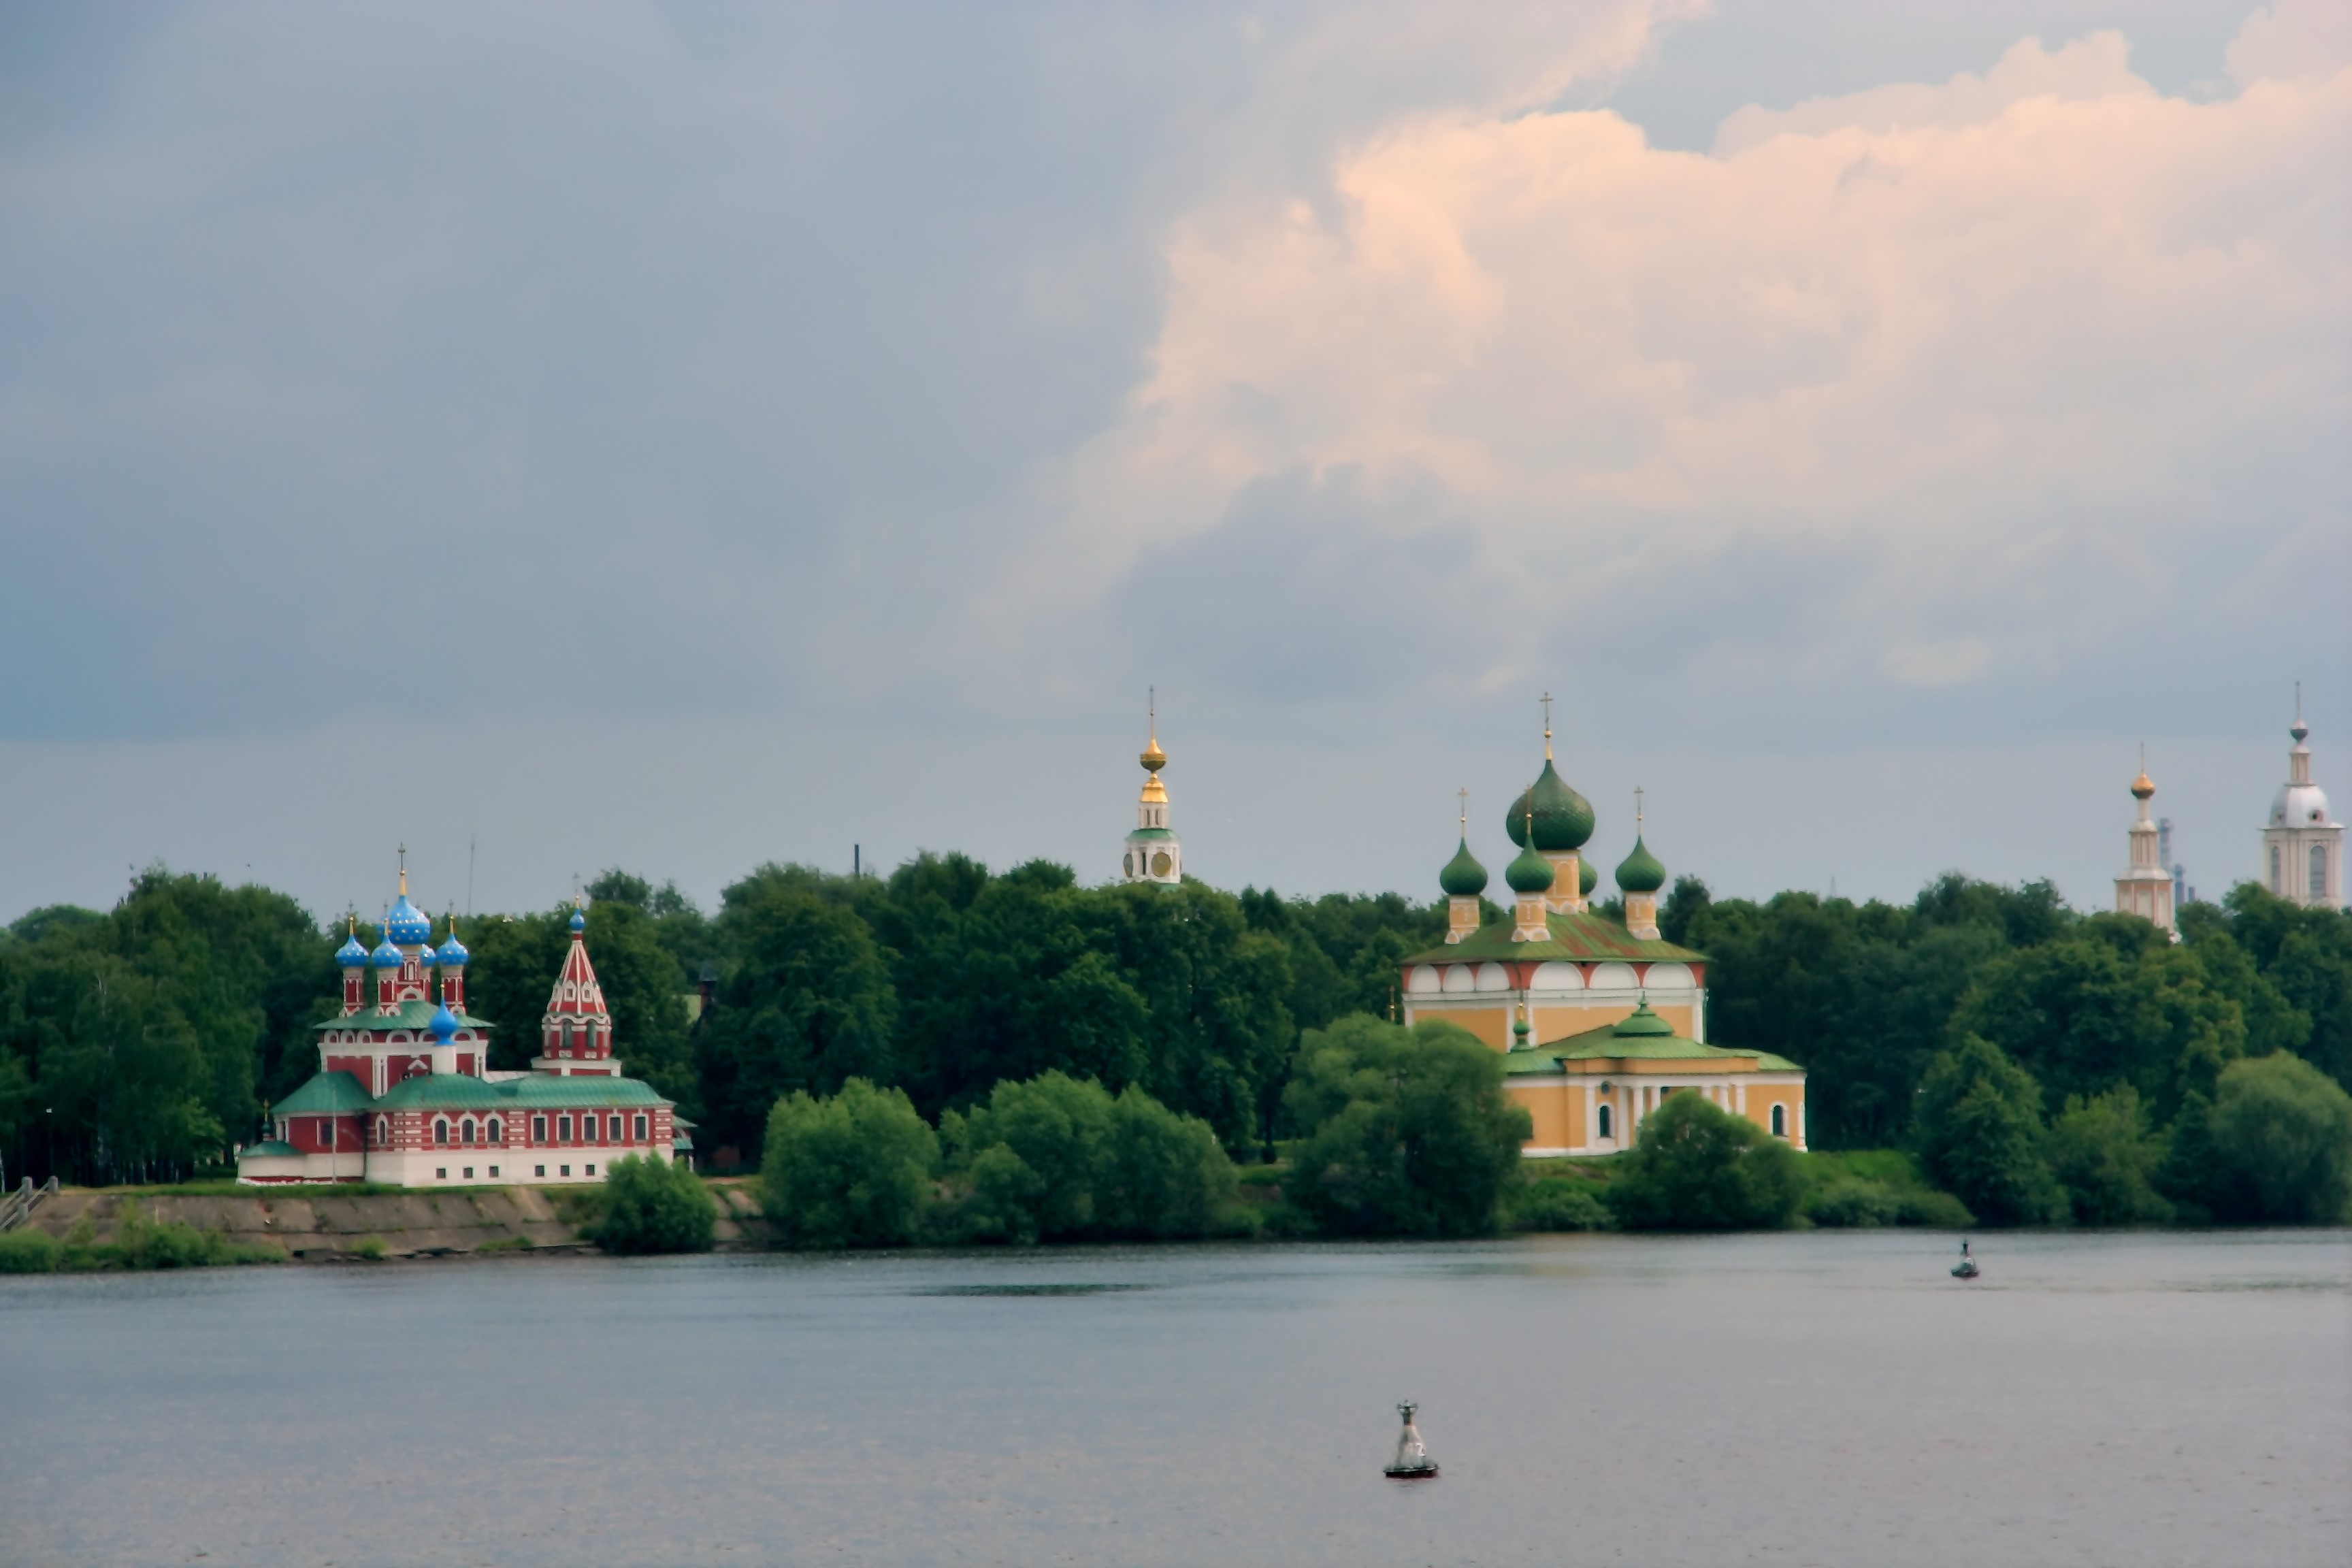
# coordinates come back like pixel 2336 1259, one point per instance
pixel 1412 1462
pixel 1965 1268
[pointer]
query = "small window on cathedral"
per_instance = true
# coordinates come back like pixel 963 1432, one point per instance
pixel 563 1129
pixel 493 1170
pixel 441 1132
pixel 592 1170
pixel 611 1129
pixel 538 1170
pixel 2319 871
pixel 641 1128
pixel 493 1135
pixel 466 1130
pixel 440 1172
pixel 1779 1121
pixel 1604 1123
pixel 469 1172
pixel 565 1169
pixel 538 1132
pixel 2276 886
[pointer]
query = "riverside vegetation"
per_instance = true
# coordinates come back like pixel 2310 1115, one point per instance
pixel 1981 1050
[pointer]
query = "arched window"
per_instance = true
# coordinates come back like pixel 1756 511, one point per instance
pixel 440 1132
pixel 2319 871
pixel 1779 1121
pixel 466 1130
pixel 382 1132
pixel 2277 886
pixel 497 1133
pixel 1605 1120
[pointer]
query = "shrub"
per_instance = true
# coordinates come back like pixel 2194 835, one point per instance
pixel 2104 1154
pixel 2281 1134
pixel 369 1247
pixel 1980 1135
pixel 1057 1159
pixel 1941 1210
pixel 1853 1202
pixel 654 1206
pixel 1407 1131
pixel 30 1251
pixel 853 1170
pixel 1558 1203
pixel 1699 1167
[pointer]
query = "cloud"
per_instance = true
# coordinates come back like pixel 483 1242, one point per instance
pixel 1999 352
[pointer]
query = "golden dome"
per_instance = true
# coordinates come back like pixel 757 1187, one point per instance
pixel 1153 757
pixel 2141 786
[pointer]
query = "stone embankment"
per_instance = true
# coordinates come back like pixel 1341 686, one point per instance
pixel 318 1227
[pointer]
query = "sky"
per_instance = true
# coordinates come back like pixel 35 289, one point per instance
pixel 560 436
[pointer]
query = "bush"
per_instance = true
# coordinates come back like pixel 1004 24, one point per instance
pixel 2281 1134
pixel 652 1205
pixel 1941 1210
pixel 1408 1132
pixel 1057 1159
pixel 1854 1204
pixel 1558 1203
pixel 30 1251
pixel 2104 1155
pixel 1699 1167
pixel 1980 1135
pixel 369 1247
pixel 851 1171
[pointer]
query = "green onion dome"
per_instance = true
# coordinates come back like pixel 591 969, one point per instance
pixel 1530 872
pixel 1642 1022
pixel 1463 877
pixel 1562 819
pixel 1588 876
pixel 1641 872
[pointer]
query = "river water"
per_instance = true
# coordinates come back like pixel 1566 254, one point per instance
pixel 1811 1398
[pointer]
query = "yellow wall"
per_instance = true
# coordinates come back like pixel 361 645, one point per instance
pixel 1492 1025
pixel 1555 1117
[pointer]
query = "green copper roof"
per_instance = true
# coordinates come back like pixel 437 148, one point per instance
pixel 1641 1022
pixel 1149 835
pixel 413 1015
pixel 460 1091
pixel 1577 938
pixel 1612 1042
pixel 327 1094
pixel 270 1149
pixel 1562 819
pixel 1463 877
pixel 1528 872
pixel 1641 872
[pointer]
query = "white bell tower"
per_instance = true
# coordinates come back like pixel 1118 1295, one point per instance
pixel 1154 854
pixel 2146 887
pixel 2303 850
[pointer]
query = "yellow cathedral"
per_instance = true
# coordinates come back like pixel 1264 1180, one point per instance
pixel 1599 1022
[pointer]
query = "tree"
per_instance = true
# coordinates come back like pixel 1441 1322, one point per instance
pixel 2104 1154
pixel 1407 1132
pixel 1166 1176
pixel 1698 1167
pixel 1039 1154
pixel 809 1006
pixel 2282 1135
pixel 652 1205
pixel 1980 1135
pixel 853 1170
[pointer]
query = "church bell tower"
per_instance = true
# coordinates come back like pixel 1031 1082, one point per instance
pixel 1153 852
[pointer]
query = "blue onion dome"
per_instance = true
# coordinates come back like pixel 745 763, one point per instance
pixel 1562 818
pixel 1463 877
pixel 406 926
pixel 452 953
pixel 444 1024
pixel 1588 876
pixel 579 920
pixel 1641 872
pixel 386 956
pixel 352 955
pixel 1530 872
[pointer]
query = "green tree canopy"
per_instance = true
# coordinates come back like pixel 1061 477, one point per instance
pixel 2281 1132
pixel 652 1205
pixel 1405 1131
pixel 852 1170
pixel 1697 1166
pixel 1980 1135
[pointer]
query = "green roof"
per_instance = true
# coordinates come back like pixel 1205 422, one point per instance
pixel 410 1015
pixel 459 1091
pixel 1641 872
pixel 1150 835
pixel 1562 818
pixel 270 1149
pixel 1530 872
pixel 1585 939
pixel 327 1094
pixel 1645 1037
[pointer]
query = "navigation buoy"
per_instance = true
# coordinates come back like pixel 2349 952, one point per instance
pixel 1412 1462
pixel 1965 1268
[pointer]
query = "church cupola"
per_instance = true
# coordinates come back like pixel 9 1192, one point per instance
pixel 1153 852
pixel 351 958
pixel 1639 877
pixel 1530 877
pixel 2303 847
pixel 1555 821
pixel 451 956
pixel 2146 887
pixel 576 1033
pixel 1463 879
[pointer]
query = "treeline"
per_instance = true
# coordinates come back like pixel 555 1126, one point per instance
pixel 141 1042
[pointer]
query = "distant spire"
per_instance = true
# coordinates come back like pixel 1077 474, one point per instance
pixel 1547 708
pixel 1464 794
pixel 404 870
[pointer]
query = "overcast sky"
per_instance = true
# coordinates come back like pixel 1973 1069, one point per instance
pixel 600 434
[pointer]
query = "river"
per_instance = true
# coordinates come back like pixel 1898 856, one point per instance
pixel 1815 1398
